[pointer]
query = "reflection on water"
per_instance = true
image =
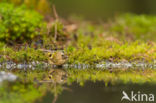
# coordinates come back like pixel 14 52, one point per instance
pixel 99 93
pixel 76 85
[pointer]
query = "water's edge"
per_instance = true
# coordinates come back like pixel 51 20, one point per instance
pixel 105 65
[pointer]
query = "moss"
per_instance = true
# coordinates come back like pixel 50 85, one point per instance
pixel 125 38
pixel 111 50
pixel 140 27
pixel 94 43
pixel 23 55
pixel 19 24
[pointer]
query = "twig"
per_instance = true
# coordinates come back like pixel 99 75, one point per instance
pixel 54 11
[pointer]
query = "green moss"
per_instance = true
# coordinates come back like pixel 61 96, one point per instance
pixel 111 50
pixel 94 44
pixel 24 54
pixel 19 24
pixel 125 38
pixel 140 27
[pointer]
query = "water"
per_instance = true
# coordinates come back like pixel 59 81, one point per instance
pixel 75 85
pixel 99 93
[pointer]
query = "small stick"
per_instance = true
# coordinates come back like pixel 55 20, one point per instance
pixel 54 11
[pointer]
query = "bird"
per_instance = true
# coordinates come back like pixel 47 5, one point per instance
pixel 56 58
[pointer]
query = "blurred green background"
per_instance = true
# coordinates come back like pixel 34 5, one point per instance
pixel 94 9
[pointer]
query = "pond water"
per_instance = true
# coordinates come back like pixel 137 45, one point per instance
pixel 99 93
pixel 75 85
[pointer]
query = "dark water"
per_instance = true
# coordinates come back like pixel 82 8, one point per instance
pixel 90 92
pixel 99 93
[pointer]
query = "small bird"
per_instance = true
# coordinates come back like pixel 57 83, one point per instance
pixel 56 58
